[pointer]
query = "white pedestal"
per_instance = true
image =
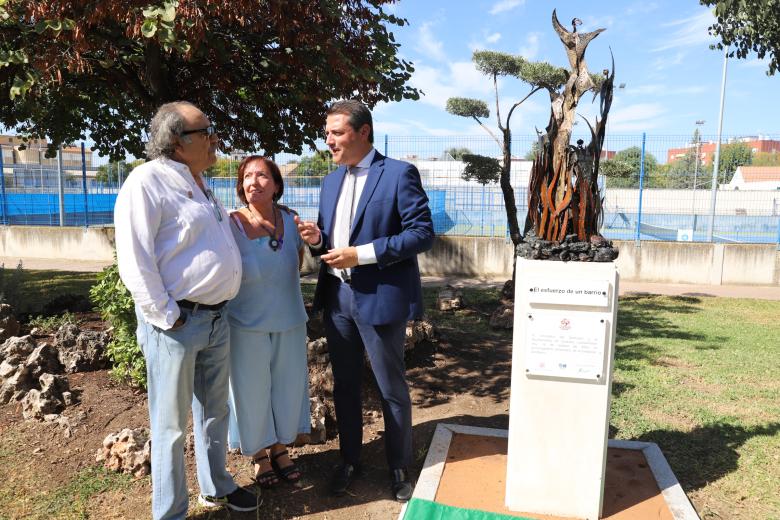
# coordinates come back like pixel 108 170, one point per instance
pixel 563 350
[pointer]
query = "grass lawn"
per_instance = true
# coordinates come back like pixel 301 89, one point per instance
pixel 37 288
pixel 701 377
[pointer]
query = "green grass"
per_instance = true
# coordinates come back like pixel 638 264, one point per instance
pixel 39 287
pixel 71 500
pixel 701 378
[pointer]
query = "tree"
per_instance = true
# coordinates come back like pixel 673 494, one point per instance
pixel 109 173
pixel 766 159
pixel 262 71
pixel 457 153
pixel 748 26
pixel 481 169
pixel 732 156
pixel 224 167
pixel 317 165
pixel 622 171
pixel 551 192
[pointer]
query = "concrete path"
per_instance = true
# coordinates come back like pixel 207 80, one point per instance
pixel 761 292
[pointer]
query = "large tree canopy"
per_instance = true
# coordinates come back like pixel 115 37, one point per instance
pixel 262 70
pixel 752 25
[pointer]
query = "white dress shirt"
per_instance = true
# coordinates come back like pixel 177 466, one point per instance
pixel 365 252
pixel 170 244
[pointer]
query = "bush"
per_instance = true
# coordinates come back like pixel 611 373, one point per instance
pixel 10 283
pixel 116 306
pixel 52 324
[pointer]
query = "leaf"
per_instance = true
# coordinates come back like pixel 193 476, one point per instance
pixel 467 107
pixel 149 28
pixel 168 14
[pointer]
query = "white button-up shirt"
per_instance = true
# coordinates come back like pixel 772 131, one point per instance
pixel 365 252
pixel 170 244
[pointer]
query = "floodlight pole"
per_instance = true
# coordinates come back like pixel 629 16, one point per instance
pixel 716 165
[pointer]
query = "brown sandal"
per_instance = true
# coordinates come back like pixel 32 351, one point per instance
pixel 267 479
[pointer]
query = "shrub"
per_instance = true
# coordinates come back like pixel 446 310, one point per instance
pixel 116 306
pixel 10 283
pixel 53 323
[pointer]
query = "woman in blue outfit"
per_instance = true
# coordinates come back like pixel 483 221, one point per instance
pixel 269 387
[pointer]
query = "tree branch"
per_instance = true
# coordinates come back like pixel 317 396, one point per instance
pixel 489 131
pixel 498 112
pixel 509 116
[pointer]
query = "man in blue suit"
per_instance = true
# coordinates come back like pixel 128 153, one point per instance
pixel 373 221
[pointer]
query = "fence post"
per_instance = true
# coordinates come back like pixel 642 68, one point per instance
pixel 84 184
pixel 61 184
pixel 637 239
pixel 4 204
pixel 385 145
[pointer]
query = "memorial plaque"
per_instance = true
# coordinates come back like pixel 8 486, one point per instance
pixel 565 344
pixel 570 292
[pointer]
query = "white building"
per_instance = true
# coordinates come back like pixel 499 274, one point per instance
pixel 754 178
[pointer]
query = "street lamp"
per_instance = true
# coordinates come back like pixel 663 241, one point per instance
pixel 697 144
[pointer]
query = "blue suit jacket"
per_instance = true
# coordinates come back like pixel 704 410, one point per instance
pixel 393 214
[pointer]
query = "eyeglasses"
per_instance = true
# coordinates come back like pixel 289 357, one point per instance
pixel 208 131
pixel 214 204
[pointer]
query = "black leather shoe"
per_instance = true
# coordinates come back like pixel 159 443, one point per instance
pixel 343 478
pixel 402 487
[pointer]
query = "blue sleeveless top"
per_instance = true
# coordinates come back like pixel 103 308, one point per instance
pixel 269 299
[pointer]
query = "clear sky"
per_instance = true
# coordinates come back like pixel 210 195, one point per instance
pixel 661 51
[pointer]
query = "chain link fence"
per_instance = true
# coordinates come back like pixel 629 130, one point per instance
pixel 655 187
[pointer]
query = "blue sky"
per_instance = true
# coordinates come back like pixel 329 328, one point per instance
pixel 661 51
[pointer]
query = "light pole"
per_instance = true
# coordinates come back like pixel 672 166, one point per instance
pixel 716 165
pixel 697 144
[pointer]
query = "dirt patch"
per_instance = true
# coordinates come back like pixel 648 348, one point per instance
pixel 666 361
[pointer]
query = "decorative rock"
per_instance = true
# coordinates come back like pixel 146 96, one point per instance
pixel 16 349
pixel 503 317
pixel 128 451
pixel 16 386
pixel 449 299
pixel 417 331
pixel 319 413
pixel 598 249
pixel 320 380
pixel 48 400
pixel 317 347
pixel 8 324
pixel 43 360
pixel 66 335
pixel 84 353
pixel 508 290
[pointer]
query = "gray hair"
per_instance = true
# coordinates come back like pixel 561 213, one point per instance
pixel 357 114
pixel 166 126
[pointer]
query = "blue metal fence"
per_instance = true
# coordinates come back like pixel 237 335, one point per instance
pixel 652 202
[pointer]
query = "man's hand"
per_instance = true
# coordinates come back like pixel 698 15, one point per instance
pixel 341 258
pixel 309 231
pixel 179 323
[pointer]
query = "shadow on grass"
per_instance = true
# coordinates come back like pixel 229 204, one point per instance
pixel 645 317
pixel 707 453
pixel 311 496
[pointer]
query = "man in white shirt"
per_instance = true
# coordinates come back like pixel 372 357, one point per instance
pixel 373 222
pixel 178 258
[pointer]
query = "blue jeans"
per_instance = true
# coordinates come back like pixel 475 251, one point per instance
pixel 189 365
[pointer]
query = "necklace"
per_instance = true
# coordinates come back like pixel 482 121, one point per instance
pixel 274 243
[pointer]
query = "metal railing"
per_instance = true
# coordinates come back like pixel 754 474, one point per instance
pixel 656 188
